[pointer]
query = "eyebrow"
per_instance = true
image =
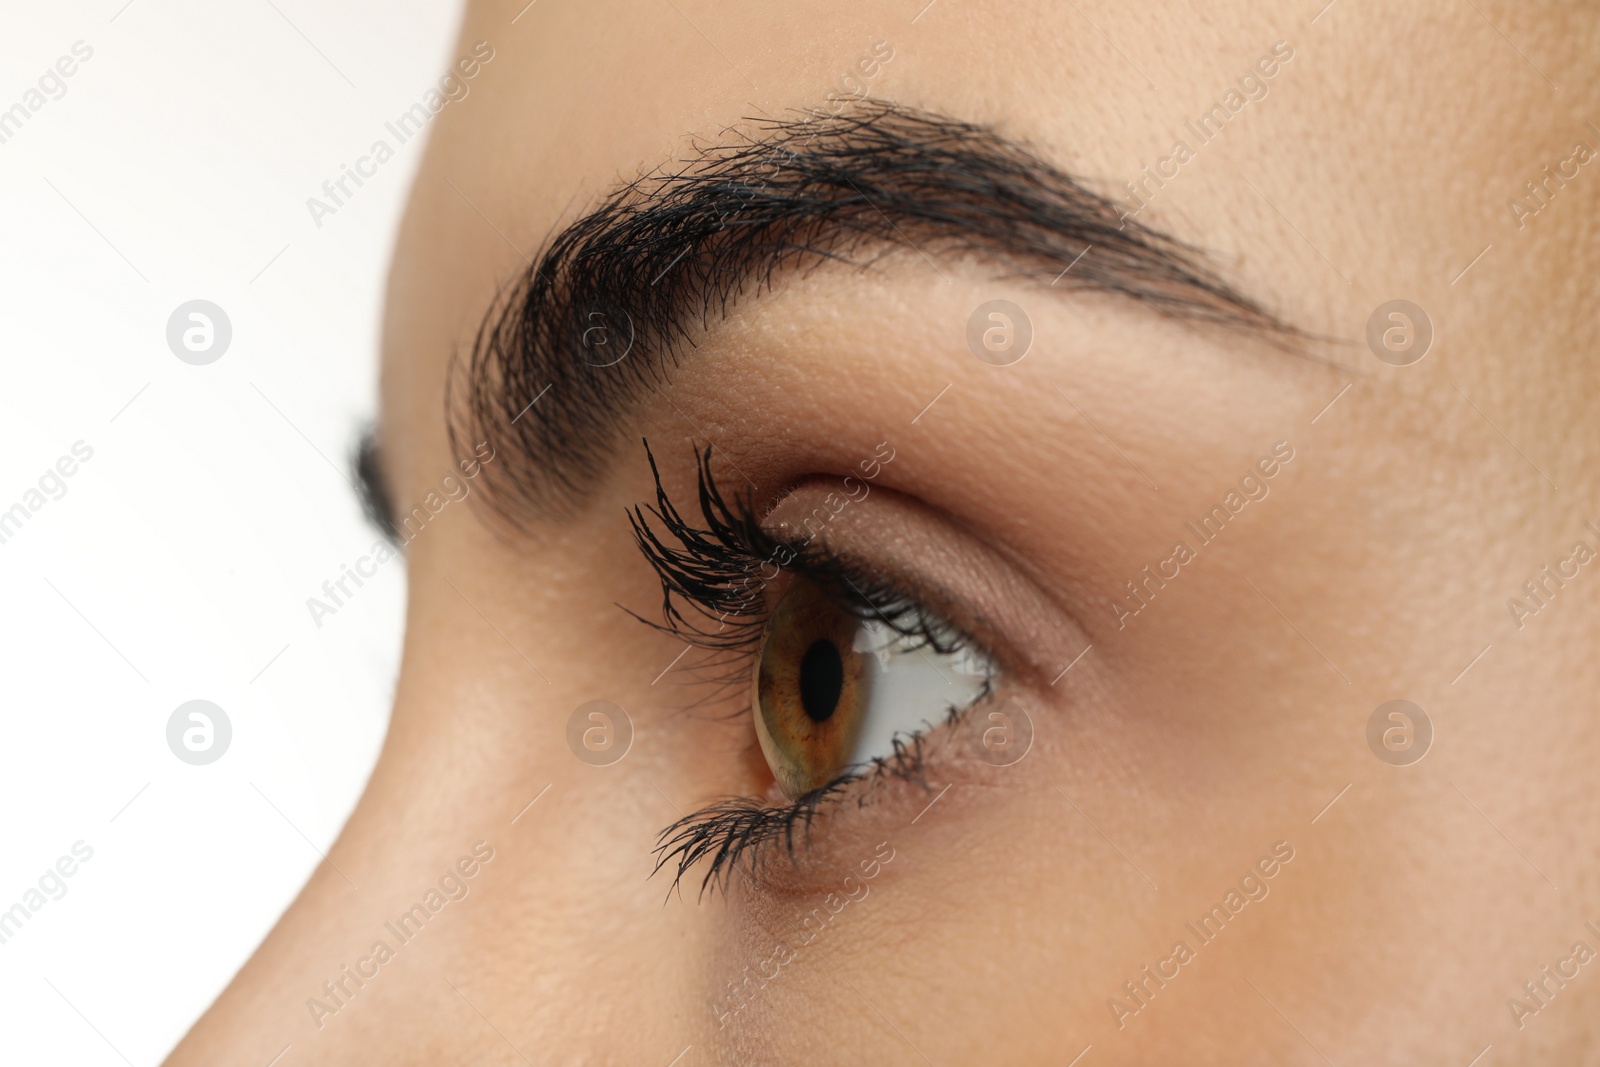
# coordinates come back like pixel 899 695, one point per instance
pixel 666 255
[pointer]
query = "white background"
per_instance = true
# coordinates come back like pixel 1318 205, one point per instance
pixel 177 565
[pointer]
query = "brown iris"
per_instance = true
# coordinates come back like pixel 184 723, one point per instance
pixel 809 693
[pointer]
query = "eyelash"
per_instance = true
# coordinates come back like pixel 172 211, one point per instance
pixel 713 599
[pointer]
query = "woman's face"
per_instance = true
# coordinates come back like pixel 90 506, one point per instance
pixel 1110 416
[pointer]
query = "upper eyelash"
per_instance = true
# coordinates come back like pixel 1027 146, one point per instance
pixel 716 572
pixel 713 575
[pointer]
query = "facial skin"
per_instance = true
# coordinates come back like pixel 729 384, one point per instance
pixel 1216 734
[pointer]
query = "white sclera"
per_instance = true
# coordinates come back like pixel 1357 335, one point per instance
pixel 910 688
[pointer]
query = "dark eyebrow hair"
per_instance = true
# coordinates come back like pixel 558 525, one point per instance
pixel 666 254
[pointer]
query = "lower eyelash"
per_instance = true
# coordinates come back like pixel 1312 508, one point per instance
pixel 740 831
pixel 713 598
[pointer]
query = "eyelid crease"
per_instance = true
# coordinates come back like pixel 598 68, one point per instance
pixel 969 583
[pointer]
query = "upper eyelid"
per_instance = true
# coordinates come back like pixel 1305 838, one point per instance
pixel 969 579
pixel 929 557
pixel 735 539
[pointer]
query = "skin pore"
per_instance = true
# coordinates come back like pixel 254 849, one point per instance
pixel 1208 748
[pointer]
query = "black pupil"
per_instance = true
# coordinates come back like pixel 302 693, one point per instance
pixel 821 680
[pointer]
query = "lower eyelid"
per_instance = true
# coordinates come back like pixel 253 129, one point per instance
pixel 790 860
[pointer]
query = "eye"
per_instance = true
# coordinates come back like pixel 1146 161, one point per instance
pixel 849 665
pixel 833 690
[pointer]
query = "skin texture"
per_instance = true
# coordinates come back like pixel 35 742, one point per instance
pixel 1186 743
